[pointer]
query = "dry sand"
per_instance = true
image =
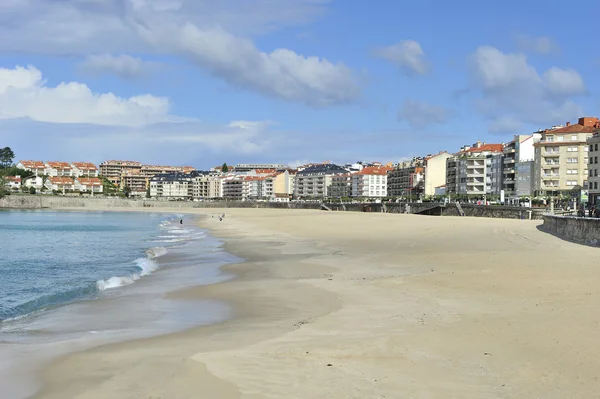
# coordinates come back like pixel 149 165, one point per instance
pixel 355 305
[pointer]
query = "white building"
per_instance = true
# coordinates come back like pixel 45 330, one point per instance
pixel 62 183
pixel 172 186
pixel 207 186
pixel 13 182
pixel 36 182
pixel 370 182
pixel 84 169
pixel 37 167
pixel 435 172
pixel 470 171
pixel 91 185
pixel 59 169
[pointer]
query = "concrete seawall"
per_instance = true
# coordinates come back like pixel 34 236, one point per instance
pixel 54 202
pixel 580 230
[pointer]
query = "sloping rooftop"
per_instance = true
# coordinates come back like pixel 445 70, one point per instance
pixel 576 128
pixel 325 169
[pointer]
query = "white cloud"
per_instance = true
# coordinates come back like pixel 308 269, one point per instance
pixel 105 26
pixel 124 66
pixel 212 34
pixel 511 89
pixel 536 44
pixel 406 55
pixel 282 73
pixel 24 94
pixel 420 114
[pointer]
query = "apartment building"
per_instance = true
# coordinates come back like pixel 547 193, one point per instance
pixel 172 186
pixel 137 183
pixel 315 181
pixel 594 163
pixel 406 179
pixel 91 185
pixel 206 186
pixel 341 186
pixel 36 182
pixel 283 185
pixel 60 183
pixel 84 169
pixel 113 170
pixel 153 170
pixel 370 182
pixel 518 166
pixel 37 167
pixel 561 158
pixel 475 170
pixel 233 188
pixel 435 172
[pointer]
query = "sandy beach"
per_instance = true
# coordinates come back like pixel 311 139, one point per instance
pixel 358 305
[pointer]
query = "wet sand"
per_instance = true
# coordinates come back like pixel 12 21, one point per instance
pixel 355 305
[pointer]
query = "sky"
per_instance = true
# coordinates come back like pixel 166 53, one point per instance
pixel 202 82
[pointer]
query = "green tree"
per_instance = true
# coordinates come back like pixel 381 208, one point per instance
pixel 4 191
pixel 108 187
pixel 6 157
pixel 32 190
pixel 225 168
pixel 127 191
pixel 148 192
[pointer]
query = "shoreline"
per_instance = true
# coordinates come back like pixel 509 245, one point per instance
pixel 39 338
pixel 237 292
pixel 370 305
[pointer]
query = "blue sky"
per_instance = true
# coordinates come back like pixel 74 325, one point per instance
pixel 202 82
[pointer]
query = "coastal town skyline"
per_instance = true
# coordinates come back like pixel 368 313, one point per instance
pixel 305 82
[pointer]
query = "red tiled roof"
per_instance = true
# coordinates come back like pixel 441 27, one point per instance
pixel 576 128
pixel 85 166
pixel 60 180
pixel 374 170
pixel 90 181
pixel 13 179
pixel 33 164
pixel 59 165
pixel 436 155
pixel 487 147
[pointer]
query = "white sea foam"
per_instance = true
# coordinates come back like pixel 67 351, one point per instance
pixel 116 282
pixel 146 264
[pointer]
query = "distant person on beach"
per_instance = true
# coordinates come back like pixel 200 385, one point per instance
pixel 180 221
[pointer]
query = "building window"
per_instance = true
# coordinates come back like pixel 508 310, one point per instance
pixel 572 171
pixel 572 149
pixel 574 137
pixel 571 182
pixel 595 185
pixel 572 160
pixel 595 147
pixel 595 172
pixel 560 138
pixel 549 139
pixel 591 173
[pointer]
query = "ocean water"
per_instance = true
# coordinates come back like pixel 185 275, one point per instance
pixel 73 280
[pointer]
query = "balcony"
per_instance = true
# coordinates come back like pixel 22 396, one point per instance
pixel 551 154
pixel 508 171
pixel 509 161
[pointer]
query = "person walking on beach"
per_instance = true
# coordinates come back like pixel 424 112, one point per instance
pixel 180 221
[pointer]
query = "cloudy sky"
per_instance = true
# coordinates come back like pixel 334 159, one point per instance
pixel 202 82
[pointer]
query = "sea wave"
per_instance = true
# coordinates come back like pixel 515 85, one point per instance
pixel 147 265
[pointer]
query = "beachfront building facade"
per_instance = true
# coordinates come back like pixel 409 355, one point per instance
pixel 594 166
pixel 406 179
pixel 206 186
pixel 475 170
pixel 136 183
pixel 561 158
pixel 435 172
pixel 315 181
pixel 59 169
pixel 233 188
pixel 60 184
pixel 370 182
pixel 92 185
pixel 518 166
pixel 341 186
pixel 84 169
pixel 171 186
pixel 38 168
pixel 113 170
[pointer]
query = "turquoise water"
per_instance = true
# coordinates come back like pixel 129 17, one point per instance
pixel 53 258
pixel 70 281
